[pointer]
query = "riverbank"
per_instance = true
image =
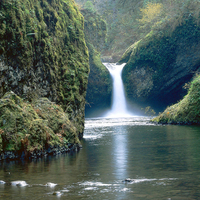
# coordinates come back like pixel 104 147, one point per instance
pixel 36 129
pixel 16 155
pixel 185 112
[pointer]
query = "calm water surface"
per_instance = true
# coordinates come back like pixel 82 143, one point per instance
pixel 162 161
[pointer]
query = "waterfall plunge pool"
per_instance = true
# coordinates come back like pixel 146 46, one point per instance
pixel 162 162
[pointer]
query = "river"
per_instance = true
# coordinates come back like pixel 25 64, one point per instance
pixel 162 162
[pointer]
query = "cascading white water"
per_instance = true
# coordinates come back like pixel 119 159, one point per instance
pixel 118 108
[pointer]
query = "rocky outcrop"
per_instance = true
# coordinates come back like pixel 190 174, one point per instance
pixel 99 83
pixel 43 54
pixel 39 127
pixel 99 88
pixel 159 65
pixel 187 111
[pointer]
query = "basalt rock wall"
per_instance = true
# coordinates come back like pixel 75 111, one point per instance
pixel 43 54
pixel 99 83
pixel 185 112
pixel 159 65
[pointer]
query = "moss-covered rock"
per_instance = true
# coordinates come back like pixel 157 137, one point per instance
pixel 187 111
pixel 27 127
pixel 95 29
pixel 99 82
pixel 99 89
pixel 159 65
pixel 43 54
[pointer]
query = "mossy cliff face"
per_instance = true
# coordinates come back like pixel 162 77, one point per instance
pixel 159 65
pixel 99 83
pixel 43 54
pixel 27 128
pixel 187 111
pixel 95 29
pixel 99 89
pixel 122 24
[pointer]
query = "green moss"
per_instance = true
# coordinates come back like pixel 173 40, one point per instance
pixel 157 55
pixel 41 41
pixel 187 111
pixel 130 51
pixel 99 82
pixel 36 126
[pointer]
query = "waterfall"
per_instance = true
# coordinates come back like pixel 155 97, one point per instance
pixel 119 106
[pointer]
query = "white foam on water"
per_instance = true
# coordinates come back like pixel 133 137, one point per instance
pixel 19 183
pixel 51 185
pixel 167 179
pixel 64 191
pixel 2 182
pixel 105 190
pixel 124 190
pixel 104 123
pixel 142 180
pixel 90 188
pixel 88 183
pixel 92 137
pixel 134 181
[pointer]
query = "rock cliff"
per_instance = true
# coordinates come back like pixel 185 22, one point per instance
pixel 43 54
pixel 159 65
pixel 187 111
pixel 99 83
pixel 34 129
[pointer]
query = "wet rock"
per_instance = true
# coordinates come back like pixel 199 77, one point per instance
pixel 127 180
pixel 57 193
pixel 9 155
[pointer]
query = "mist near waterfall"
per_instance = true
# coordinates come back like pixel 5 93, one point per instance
pixel 119 104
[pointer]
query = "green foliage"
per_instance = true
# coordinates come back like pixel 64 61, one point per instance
pixel 99 82
pixel 89 6
pixel 124 19
pixel 28 127
pixel 149 111
pixel 95 29
pixel 150 12
pixel 157 54
pixel 187 111
pixel 41 42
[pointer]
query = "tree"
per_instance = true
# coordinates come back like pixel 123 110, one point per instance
pixel 150 12
pixel 89 6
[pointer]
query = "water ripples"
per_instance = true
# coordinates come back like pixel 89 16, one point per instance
pixel 110 122
pixel 84 187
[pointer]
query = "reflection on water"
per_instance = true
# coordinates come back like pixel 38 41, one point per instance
pixel 162 162
pixel 119 149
